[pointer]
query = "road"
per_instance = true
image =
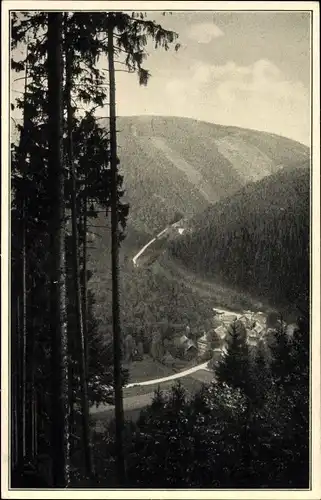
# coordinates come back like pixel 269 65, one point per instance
pixel 137 402
pixel 203 366
pixel 142 250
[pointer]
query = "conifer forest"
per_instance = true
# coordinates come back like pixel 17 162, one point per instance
pixel 160 307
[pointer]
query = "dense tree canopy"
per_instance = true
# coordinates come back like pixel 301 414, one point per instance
pixel 257 240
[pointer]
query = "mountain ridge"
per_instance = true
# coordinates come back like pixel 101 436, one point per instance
pixel 175 164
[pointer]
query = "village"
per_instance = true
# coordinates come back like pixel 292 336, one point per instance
pixel 178 346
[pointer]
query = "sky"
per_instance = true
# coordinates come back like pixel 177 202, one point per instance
pixel 247 69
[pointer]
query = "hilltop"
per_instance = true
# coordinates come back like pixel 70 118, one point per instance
pixel 181 166
pixel 177 167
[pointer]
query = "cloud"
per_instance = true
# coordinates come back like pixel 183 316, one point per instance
pixel 204 32
pixel 257 96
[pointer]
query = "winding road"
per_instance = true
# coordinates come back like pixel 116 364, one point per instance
pixel 142 250
pixel 202 366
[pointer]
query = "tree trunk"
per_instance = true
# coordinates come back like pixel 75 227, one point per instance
pixel 31 433
pixel 84 274
pixel 60 409
pixel 76 271
pixel 119 410
pixel 15 352
pixel 24 328
pixel 21 270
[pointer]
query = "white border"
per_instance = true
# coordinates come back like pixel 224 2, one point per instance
pixel 315 492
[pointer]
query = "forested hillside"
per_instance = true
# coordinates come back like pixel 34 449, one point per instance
pixel 185 165
pixel 256 240
pixel 176 165
pixel 173 164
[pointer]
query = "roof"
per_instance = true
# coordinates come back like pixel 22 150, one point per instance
pixel 221 331
pixel 168 358
pixel 218 311
pixel 184 342
pixel 178 341
pixel 246 319
pixel 189 345
pixel 261 317
pixel 229 318
pixel 258 328
pixel 290 329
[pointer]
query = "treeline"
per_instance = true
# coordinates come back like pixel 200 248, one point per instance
pixel 248 429
pixel 62 166
pixel 257 240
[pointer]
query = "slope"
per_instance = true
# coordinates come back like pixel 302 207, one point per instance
pixel 256 240
pixel 178 165
pixel 175 165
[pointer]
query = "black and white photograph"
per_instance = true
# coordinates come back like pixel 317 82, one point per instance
pixel 161 311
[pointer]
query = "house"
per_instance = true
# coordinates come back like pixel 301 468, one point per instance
pixel 218 312
pixel 216 321
pixel 190 349
pixel 203 344
pixel 259 317
pixel 228 319
pixel 258 329
pixel 221 332
pixel 214 339
pixel 216 358
pixel 247 320
pixel 290 329
pixel 186 348
pixel 179 341
pixel 168 359
pixel 252 340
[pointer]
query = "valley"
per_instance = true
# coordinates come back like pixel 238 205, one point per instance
pixel 140 393
pixel 165 286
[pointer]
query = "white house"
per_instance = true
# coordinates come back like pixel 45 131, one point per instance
pixel 221 331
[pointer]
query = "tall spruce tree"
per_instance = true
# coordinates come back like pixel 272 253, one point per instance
pixel 233 369
pixel 79 302
pixel 60 407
